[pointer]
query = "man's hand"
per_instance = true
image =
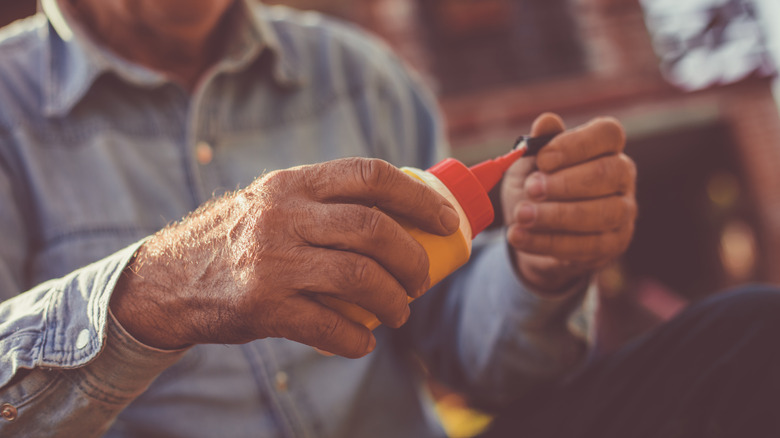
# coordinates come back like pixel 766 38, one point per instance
pixel 570 210
pixel 249 265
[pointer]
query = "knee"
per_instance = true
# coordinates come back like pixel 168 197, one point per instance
pixel 754 304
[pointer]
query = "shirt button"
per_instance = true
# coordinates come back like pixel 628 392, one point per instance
pixel 83 339
pixel 281 381
pixel 204 153
pixel 8 412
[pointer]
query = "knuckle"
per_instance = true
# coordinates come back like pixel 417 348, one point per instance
pixel 629 174
pixel 597 247
pixel 624 212
pixel 546 243
pixel 423 263
pixel 603 170
pixel 420 196
pixel 629 210
pixel 300 221
pixel 361 271
pixel 330 328
pixel 275 181
pixel 273 177
pixel 612 245
pixel 371 222
pixel 373 172
pixel 362 345
pixel 610 171
pixel 616 214
pixel 624 236
pixel 580 248
pixel 573 216
pixel 612 133
pixel 564 187
pixel 398 306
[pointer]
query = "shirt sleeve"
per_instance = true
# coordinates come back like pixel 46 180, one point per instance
pixel 84 401
pixel 63 365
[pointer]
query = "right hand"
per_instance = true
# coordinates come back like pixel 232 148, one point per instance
pixel 247 266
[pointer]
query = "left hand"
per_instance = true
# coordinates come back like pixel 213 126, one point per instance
pixel 571 209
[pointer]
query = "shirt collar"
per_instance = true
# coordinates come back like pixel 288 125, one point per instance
pixel 76 60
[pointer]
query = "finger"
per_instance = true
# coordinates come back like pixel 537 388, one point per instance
pixel 547 123
pixel 597 215
pixel 323 328
pixel 608 175
pixel 372 233
pixel 596 248
pixel 375 182
pixel 599 137
pixel 355 279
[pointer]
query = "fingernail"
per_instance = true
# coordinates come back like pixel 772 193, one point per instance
pixel 536 186
pixel 526 214
pixel 449 218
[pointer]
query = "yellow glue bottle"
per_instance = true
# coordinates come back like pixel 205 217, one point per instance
pixel 467 190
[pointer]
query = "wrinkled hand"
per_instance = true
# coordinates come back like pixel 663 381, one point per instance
pixel 249 266
pixel 571 209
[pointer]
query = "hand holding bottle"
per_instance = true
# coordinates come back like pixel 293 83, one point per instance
pixel 251 264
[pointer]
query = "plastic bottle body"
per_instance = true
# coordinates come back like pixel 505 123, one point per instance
pixel 445 253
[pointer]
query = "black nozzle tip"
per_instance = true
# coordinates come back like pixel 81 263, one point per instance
pixel 534 144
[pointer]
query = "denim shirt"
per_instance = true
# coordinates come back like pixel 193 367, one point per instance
pixel 97 153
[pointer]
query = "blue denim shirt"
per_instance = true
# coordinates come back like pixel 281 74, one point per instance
pixel 96 153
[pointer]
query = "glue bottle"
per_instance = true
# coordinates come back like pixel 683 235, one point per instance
pixel 467 190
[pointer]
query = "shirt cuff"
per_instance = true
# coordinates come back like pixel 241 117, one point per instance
pixel 60 324
pixel 125 367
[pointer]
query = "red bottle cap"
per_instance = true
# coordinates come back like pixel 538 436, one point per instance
pixel 471 186
pixel 468 190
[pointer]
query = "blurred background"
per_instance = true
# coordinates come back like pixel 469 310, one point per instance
pixel 692 81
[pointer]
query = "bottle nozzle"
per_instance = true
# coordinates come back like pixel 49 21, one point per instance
pixel 489 172
pixel 470 186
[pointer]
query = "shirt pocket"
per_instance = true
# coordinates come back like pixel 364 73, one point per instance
pixel 96 197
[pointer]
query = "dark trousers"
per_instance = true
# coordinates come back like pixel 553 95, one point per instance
pixel 712 371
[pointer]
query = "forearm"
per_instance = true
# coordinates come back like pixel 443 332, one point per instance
pixel 84 401
pixel 151 297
